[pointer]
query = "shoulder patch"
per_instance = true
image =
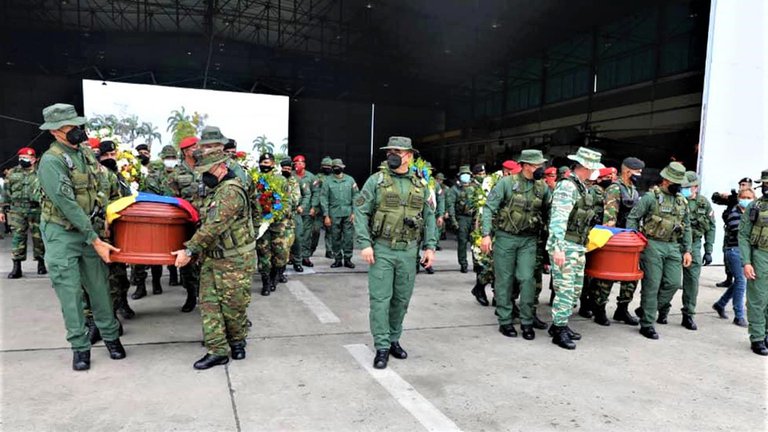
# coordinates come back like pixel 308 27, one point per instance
pixel 360 200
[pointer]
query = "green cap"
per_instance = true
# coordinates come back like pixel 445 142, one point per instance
pixel 212 135
pixel 691 179
pixel 338 163
pixel 168 151
pixel 587 158
pixel 59 115
pixel 399 143
pixel 327 161
pixel 674 172
pixel 440 176
pixel 208 160
pixel 764 176
pixel 531 156
pixel 464 169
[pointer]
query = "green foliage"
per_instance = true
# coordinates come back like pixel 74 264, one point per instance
pixel 127 129
pixel 183 125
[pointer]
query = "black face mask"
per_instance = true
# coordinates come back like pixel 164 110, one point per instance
pixel 265 168
pixel 539 173
pixel 286 174
pixel 634 178
pixel 144 159
pixel 110 164
pixel 394 161
pixel 76 136
pixel 764 189
pixel 326 170
pixel 209 180
pixel 337 170
pixel 25 163
pixel 674 189
pixel 605 183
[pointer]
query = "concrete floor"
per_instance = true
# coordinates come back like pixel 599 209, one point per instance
pixel 300 373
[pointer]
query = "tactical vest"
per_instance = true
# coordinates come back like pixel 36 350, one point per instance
pixel 758 214
pixel 598 197
pixel 85 186
pixel 582 216
pixel 23 187
pixel 463 201
pixel 700 219
pixel 398 218
pixel 240 238
pixel 522 213
pixel 665 221
pixel 629 197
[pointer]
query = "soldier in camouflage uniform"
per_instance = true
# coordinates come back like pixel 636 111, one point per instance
pixel 753 245
pixel 297 195
pixel 461 212
pixel 272 246
pixel 326 170
pixel 662 215
pixel 21 198
pixel 571 218
pixel 702 227
pixel 336 197
pixel 619 199
pixel 515 212
pixel 302 247
pixel 225 242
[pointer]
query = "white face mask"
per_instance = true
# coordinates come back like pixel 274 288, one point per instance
pixel 170 163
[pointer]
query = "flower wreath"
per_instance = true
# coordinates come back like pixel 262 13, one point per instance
pixel 268 190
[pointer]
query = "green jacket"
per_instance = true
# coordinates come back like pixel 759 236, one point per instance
pixel 702 221
pixel 157 182
pixel 337 195
pixel 307 194
pixel 317 188
pixel 440 192
pixel 755 218
pixel 646 208
pixel 505 190
pixel 459 201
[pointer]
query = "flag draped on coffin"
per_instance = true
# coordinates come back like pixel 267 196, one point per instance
pixel 115 207
pixel 600 234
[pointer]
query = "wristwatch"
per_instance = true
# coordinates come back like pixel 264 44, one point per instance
pixel 188 252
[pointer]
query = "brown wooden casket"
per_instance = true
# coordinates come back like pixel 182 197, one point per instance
pixel 147 233
pixel 619 259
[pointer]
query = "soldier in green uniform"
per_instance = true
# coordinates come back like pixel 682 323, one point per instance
pixel 75 253
pixel 519 204
pixel 753 245
pixel 293 218
pixel 336 197
pixel 225 242
pixel 21 196
pixel 461 213
pixel 302 247
pixel 662 215
pixel 441 210
pixel 326 170
pixel 619 199
pixel 572 216
pixel 185 183
pixel 391 213
pixel 702 227
pixel 272 245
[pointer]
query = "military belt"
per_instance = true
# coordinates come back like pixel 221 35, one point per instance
pixel 229 253
pixel 25 205
pixel 397 244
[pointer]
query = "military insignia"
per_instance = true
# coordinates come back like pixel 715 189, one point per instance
pixel 360 200
pixel 67 191
pixel 492 195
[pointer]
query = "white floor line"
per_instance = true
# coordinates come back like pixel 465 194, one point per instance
pixel 427 414
pixel 321 311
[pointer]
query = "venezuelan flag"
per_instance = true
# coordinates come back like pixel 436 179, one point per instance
pixel 600 234
pixel 115 207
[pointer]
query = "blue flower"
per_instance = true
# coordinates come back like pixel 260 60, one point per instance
pixel 278 206
pixel 276 196
pixel 268 216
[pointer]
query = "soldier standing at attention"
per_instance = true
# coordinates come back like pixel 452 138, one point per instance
pixel 303 244
pixel 571 218
pixel 294 195
pixel 336 198
pixel 75 254
pixel 325 171
pixel 272 246
pixel 21 194
pixel 225 241
pixel 702 227
pixel 519 204
pixel 753 244
pixel 462 213
pixel 392 210
pixel 662 216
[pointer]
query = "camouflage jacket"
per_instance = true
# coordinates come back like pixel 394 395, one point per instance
pixel 21 187
pixel 564 198
pixel 185 183
pixel 157 182
pixel 618 200
pixel 223 210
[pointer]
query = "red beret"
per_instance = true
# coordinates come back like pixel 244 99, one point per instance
pixel 26 151
pixel 94 143
pixel 512 166
pixel 299 158
pixel 606 171
pixel 188 142
pixel 551 170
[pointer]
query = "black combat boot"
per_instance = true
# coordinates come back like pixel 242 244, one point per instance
pixel 600 316
pixel 464 268
pixel 173 279
pixel 238 350
pixel 16 272
pixel 586 306
pixel 297 267
pixel 328 254
pixel 561 338
pixel 348 263
pixel 720 311
pixel 81 360
pixel 123 307
pixel 688 322
pixel 336 263
pixel 307 262
pixel 41 269
pixel 662 319
pixel 273 279
pixel 726 283
pixel 380 361
pixel 396 351
pixel 157 273
pixel 266 285
pixel 537 323
pixel 115 348
pixel 622 315
pixel 429 270
pixel 479 292
pixel 281 278
pixel 141 290
pixel 508 330
pixel 759 348
pixel 649 332
pixel 94 335
pixel 209 360
pixel 191 302
pixel 528 333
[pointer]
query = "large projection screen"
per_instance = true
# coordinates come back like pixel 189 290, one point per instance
pixel 152 113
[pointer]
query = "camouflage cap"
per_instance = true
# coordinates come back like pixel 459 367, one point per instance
pixel 209 160
pixel 691 179
pixel 168 151
pixel 59 115
pixel 399 143
pixel 587 158
pixel 212 135
pixel 440 176
pixel 327 161
pixel 531 156
pixel 338 163
pixel 674 172
pixel 464 169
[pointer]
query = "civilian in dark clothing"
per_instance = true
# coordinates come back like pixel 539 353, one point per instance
pixel 729 201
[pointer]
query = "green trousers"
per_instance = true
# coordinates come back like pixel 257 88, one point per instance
pixel 662 265
pixel 465 227
pixel 22 221
pixel 304 237
pixel 757 296
pixel 390 286
pixel 317 228
pixel 74 265
pixel 691 280
pixel 514 259
pixel 568 281
pixel 342 236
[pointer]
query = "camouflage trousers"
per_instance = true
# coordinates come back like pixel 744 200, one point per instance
pixel 272 248
pixel 290 232
pixel 568 281
pixel 225 293
pixel 483 267
pixel 118 287
pixel 21 221
pixel 602 290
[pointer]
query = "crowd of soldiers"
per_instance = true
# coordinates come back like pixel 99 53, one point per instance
pixel 522 222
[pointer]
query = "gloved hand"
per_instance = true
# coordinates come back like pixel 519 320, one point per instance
pixel 707 259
